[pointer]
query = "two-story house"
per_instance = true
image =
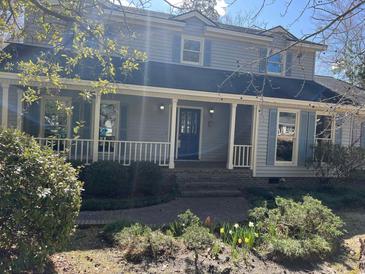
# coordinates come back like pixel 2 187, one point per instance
pixel 208 92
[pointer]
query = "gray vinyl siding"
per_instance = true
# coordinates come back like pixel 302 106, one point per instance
pixel 346 131
pixel 1 103
pixel 303 67
pixel 262 169
pixel 244 120
pixel 356 131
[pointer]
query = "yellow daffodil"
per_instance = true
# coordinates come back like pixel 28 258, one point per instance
pixel 221 230
pixel 240 241
pixel 247 240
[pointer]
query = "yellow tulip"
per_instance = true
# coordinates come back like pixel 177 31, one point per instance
pixel 221 230
pixel 240 241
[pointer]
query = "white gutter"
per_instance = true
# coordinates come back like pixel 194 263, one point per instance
pixel 182 94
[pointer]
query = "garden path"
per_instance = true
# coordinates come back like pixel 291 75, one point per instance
pixel 219 208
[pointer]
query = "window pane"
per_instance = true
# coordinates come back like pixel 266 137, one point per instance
pixel 55 120
pixel 286 136
pixel 274 67
pixel 324 127
pixel 108 121
pixel 190 56
pixel 192 45
pixel 277 58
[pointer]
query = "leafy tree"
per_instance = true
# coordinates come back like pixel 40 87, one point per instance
pixel 78 32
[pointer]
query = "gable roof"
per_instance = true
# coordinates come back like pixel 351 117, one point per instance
pixel 194 14
pixel 282 30
pixel 175 76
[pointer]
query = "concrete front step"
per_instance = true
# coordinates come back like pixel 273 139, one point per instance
pixel 212 193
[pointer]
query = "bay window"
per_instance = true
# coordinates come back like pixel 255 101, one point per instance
pixel 286 140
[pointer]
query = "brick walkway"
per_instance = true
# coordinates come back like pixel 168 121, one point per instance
pixel 220 208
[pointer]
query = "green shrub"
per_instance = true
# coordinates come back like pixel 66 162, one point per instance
pixel 39 202
pixel 339 162
pixel 296 230
pixel 110 230
pixel 140 243
pixel 184 220
pixel 198 238
pixel 147 178
pixel 107 179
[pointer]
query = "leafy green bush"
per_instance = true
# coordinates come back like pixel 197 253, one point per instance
pixel 39 202
pixel 111 229
pixel 295 230
pixel 184 220
pixel 198 238
pixel 107 179
pixel 147 178
pixel 339 162
pixel 139 242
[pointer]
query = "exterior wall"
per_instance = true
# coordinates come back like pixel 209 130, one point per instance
pixel 262 169
pixel 1 104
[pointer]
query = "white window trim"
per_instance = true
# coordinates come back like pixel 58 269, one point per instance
pixel 333 127
pixel 68 102
pixel 294 161
pixel 283 54
pixel 201 54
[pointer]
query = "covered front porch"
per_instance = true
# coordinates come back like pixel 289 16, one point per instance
pixel 127 128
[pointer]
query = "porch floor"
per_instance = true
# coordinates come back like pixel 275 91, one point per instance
pixel 221 209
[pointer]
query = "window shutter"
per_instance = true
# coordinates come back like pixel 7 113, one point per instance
pixel 338 136
pixel 263 60
pixel 32 119
pixel 123 122
pixel 271 139
pixel 176 48
pixel 76 117
pixel 86 117
pixel 207 52
pixel 289 63
pixel 310 135
pixel 362 138
pixel 303 138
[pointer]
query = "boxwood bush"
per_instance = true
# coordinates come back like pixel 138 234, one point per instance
pixel 107 179
pixel 39 202
pixel 297 230
pixel 147 178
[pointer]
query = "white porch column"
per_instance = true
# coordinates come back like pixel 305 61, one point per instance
pixel 19 111
pixel 232 126
pixel 96 126
pixel 5 105
pixel 173 133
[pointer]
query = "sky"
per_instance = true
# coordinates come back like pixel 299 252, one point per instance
pixel 273 14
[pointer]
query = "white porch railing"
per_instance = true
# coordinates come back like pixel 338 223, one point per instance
pixel 242 155
pixel 124 152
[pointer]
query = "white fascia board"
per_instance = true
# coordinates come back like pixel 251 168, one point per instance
pixel 204 96
pixel 142 18
pixel 316 47
pixel 238 35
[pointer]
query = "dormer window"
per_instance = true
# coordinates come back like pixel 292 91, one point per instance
pixel 275 62
pixel 192 50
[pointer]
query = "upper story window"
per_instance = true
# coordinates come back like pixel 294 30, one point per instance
pixel 324 129
pixel 192 50
pixel 275 62
pixel 286 140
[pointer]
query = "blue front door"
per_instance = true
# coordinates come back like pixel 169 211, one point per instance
pixel 188 134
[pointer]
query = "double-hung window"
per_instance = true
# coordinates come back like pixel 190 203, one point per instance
pixel 324 129
pixel 192 50
pixel 286 138
pixel 275 62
